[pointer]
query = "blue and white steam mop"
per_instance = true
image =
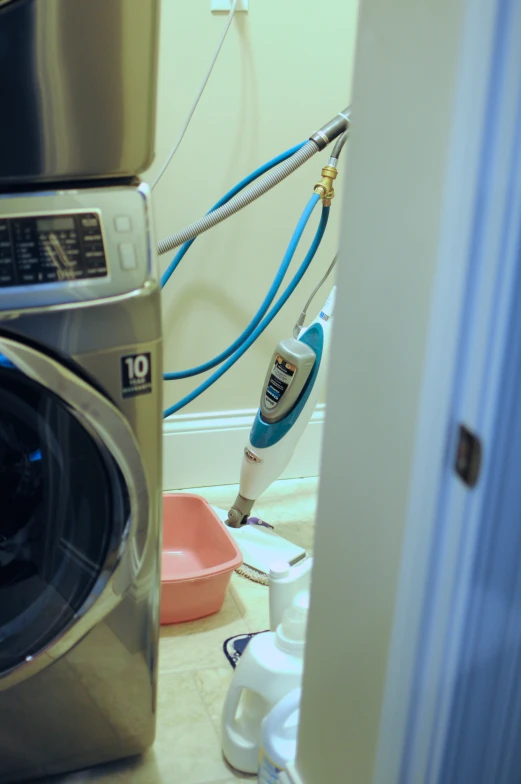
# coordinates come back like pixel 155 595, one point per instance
pixel 289 397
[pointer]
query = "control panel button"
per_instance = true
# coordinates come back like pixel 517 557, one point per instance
pixel 89 222
pixel 127 256
pixel 122 223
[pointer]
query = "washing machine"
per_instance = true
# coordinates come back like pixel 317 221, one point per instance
pixel 80 385
pixel 80 479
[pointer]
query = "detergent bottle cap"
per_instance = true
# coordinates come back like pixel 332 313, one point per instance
pixel 279 570
pixel 291 633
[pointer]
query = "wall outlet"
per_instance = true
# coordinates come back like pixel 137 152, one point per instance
pixel 225 5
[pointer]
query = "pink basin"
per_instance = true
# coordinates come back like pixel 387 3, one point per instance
pixel 198 559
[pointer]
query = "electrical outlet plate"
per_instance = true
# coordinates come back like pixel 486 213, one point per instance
pixel 225 5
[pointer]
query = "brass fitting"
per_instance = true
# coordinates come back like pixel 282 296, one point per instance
pixel 324 188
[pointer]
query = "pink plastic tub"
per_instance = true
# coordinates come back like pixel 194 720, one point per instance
pixel 198 559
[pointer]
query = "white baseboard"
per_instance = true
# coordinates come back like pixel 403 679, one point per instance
pixel 202 450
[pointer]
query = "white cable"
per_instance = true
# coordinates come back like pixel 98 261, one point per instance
pixel 199 94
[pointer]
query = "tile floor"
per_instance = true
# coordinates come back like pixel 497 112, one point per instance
pixel 194 674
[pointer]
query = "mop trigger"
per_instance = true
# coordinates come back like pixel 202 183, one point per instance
pixel 258 521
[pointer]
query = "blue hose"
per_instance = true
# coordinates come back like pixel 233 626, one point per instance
pixel 270 296
pixel 227 196
pixel 264 323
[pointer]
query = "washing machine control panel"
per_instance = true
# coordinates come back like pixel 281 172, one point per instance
pixel 73 246
pixel 51 247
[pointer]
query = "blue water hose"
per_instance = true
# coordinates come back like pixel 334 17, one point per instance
pixel 268 300
pixel 263 324
pixel 227 196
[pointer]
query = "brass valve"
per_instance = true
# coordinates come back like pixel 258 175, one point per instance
pixel 324 188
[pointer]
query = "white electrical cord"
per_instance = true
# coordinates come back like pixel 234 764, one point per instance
pixel 199 94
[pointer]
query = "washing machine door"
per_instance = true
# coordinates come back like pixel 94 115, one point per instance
pixel 73 509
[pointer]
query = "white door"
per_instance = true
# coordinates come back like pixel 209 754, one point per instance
pixel 413 654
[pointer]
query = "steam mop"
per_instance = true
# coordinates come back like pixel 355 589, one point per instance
pixel 288 399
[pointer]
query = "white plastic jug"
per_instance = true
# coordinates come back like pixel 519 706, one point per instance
pixel 270 667
pixel 285 583
pixel 279 739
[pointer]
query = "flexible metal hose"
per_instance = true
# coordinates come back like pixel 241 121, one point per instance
pixel 339 145
pixel 257 189
pixel 301 319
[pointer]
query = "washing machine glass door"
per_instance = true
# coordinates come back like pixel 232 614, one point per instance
pixel 64 510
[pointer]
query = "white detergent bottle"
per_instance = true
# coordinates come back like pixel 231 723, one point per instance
pixel 270 667
pixel 279 739
pixel 285 583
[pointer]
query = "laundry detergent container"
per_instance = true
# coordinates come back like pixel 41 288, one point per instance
pixel 198 559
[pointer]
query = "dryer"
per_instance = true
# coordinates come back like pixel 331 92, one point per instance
pixel 77 89
pixel 80 478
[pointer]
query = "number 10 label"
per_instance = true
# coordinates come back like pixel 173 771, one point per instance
pixel 136 374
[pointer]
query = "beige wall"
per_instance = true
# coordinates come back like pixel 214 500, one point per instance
pixel 275 82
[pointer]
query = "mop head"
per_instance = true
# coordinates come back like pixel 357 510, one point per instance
pixel 260 547
pixel 253 574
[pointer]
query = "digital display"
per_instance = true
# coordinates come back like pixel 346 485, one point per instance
pixel 51 248
pixel 55 224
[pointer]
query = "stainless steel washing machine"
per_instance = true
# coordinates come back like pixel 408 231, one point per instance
pixel 80 385
pixel 80 478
